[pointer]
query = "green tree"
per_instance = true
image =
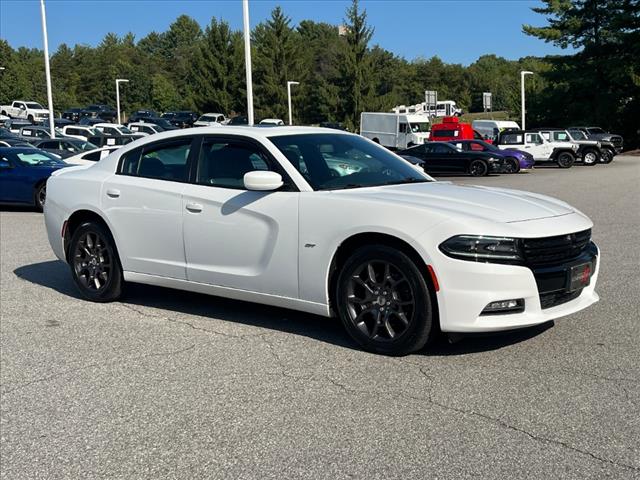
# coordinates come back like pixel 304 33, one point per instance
pixel 605 69
pixel 277 60
pixel 355 80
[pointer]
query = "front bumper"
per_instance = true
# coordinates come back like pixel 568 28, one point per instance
pixel 468 287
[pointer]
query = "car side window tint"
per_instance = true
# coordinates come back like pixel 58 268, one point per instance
pixel 223 163
pixel 167 161
pixel 93 156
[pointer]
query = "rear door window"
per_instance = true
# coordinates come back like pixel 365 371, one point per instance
pixel 163 161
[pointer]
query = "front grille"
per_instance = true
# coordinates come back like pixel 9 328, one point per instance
pixel 561 248
pixel 617 141
pixel 553 299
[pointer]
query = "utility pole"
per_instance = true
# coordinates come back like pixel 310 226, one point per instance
pixel 247 60
pixel 47 70
pixel 523 106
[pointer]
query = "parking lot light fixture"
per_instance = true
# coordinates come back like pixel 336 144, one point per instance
pixel 118 82
pixel 289 99
pixel 47 70
pixel 522 107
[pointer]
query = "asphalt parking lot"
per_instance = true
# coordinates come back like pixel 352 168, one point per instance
pixel 170 384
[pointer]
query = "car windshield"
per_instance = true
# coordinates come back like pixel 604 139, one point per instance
pixel 124 130
pixel 84 146
pixel 485 146
pixel 595 130
pixel 207 118
pixel 168 115
pixel 577 135
pixel 30 158
pixel 334 161
pixel 34 105
pixel 6 133
pixel 419 127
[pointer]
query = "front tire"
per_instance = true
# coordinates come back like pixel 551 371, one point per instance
pixel 565 160
pixel 31 119
pixel 383 301
pixel 607 156
pixel 590 157
pixel 512 164
pixel 94 263
pixel 478 168
pixel 40 196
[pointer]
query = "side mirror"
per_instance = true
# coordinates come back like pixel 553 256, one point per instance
pixel 263 181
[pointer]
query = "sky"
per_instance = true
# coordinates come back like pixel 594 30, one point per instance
pixel 458 31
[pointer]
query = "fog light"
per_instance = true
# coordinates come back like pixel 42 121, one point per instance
pixel 504 306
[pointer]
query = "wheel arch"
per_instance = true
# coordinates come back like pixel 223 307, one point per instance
pixel 79 217
pixel 361 239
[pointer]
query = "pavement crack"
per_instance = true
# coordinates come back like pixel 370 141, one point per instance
pixel 147 314
pixel 62 373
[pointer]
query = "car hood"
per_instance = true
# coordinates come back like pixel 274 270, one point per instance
pixel 492 204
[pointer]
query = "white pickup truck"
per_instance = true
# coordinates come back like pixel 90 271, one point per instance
pixel 32 111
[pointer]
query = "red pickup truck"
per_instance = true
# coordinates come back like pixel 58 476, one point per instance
pixel 452 128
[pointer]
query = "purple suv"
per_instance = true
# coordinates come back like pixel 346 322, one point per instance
pixel 514 160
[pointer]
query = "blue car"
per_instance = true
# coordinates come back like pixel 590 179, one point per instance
pixel 24 173
pixel 514 160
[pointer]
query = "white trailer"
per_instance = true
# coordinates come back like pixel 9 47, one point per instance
pixel 394 130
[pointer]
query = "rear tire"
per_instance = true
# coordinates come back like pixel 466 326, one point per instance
pixel 384 302
pixel 478 168
pixel 565 160
pixel 512 164
pixel 94 262
pixel 590 157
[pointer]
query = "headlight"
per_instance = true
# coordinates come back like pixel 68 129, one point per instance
pixel 478 248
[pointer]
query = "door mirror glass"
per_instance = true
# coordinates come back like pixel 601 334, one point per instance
pixel 262 180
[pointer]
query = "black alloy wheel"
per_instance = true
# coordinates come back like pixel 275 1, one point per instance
pixel 478 168
pixel 565 160
pixel 40 196
pixel 94 263
pixel 607 156
pixel 512 165
pixel 590 157
pixel 383 301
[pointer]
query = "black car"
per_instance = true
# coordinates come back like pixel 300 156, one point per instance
pixel 182 119
pixel 89 121
pixel 14 142
pixel 161 122
pixel 442 157
pixel 104 112
pixel 57 122
pixel 64 147
pixel 138 115
pixel 73 114
pixel 239 120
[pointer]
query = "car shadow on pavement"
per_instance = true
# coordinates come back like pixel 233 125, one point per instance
pixel 56 276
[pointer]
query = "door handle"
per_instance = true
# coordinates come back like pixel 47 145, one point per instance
pixel 113 193
pixel 194 207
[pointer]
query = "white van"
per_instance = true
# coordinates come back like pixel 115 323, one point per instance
pixel 394 130
pixel 489 129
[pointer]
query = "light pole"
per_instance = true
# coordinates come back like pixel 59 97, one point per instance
pixel 46 68
pixel 118 82
pixel 522 107
pixel 289 99
pixel 247 60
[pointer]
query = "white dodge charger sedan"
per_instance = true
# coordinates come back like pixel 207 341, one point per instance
pixel 321 221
